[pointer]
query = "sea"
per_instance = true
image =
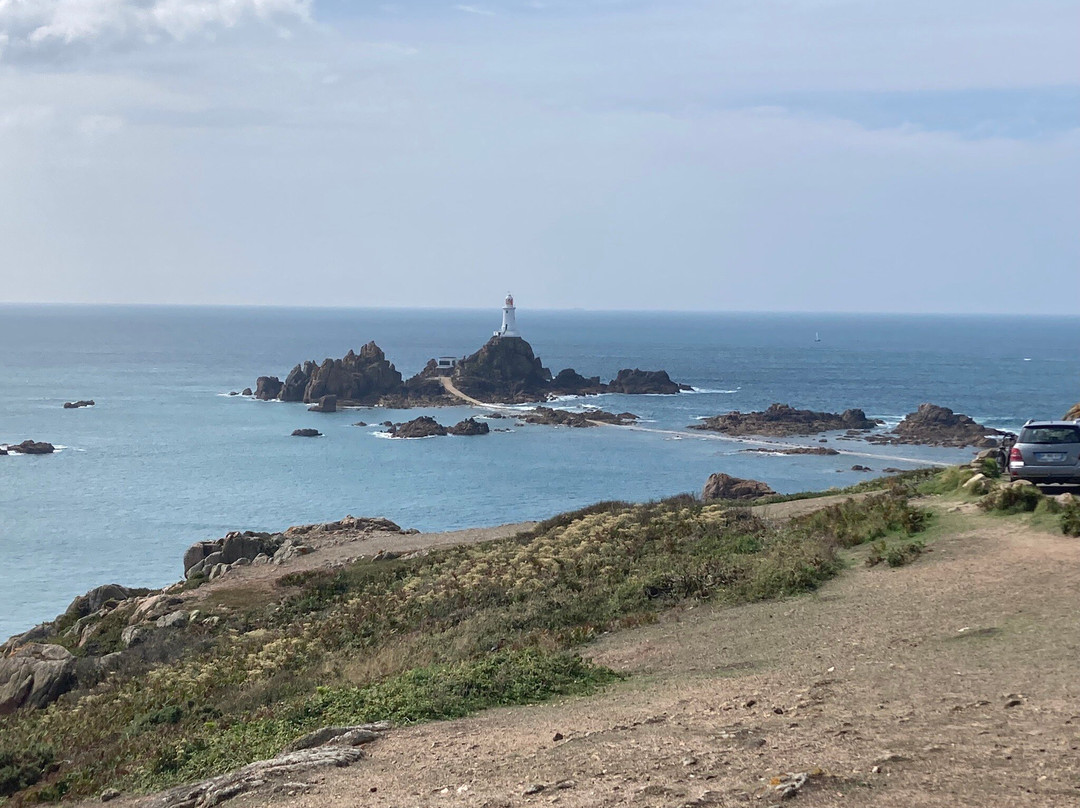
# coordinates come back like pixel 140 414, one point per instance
pixel 167 457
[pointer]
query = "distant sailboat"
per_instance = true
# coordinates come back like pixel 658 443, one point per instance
pixel 817 337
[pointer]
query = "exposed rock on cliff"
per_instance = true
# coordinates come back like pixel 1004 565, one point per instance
pixel 724 486
pixel 637 382
pixel 932 425
pixel 781 420
pixel 34 676
pixel 1074 413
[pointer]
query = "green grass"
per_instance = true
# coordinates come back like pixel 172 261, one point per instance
pixel 425 638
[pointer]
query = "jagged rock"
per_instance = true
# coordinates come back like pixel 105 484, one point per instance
pixel 781 420
pixel 267 388
pixel 723 486
pixel 548 416
pixel 74 405
pixel 638 382
pixel 504 370
pixel 423 427
pixel 31 448
pixel 939 426
pixel 306 433
pixel 468 427
pixel 1074 413
pixel 93 600
pixel 568 382
pixel 34 676
pixel 204 556
pixel 325 404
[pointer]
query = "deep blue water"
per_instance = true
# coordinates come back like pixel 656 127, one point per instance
pixel 165 459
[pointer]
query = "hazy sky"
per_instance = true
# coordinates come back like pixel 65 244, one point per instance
pixel 839 155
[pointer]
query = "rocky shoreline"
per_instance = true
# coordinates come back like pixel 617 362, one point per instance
pixel 504 371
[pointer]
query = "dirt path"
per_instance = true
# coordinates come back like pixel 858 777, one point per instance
pixel 949 682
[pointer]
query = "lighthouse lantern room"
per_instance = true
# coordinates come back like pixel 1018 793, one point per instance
pixel 509 321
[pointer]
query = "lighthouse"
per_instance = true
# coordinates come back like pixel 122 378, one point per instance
pixel 509 323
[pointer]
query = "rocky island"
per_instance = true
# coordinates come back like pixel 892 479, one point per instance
pixel 504 371
pixel 782 421
pixel 932 425
pixel 30 447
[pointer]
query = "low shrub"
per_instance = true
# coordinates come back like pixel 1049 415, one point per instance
pixel 22 767
pixel 1070 519
pixel 1012 499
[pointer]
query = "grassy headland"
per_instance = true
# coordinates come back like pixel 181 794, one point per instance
pixel 414 639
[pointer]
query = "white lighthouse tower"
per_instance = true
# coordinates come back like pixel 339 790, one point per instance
pixel 509 323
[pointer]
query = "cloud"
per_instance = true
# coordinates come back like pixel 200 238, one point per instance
pixel 43 28
pixel 475 10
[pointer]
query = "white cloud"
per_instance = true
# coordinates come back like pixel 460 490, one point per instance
pixel 475 10
pixel 36 27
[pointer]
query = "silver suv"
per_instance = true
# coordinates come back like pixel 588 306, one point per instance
pixel 1047 452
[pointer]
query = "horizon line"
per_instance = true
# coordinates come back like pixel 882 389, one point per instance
pixel 550 309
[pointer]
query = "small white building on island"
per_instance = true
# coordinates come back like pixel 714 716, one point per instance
pixel 509 320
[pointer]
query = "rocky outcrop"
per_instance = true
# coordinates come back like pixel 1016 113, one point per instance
pixel 723 486
pixel 641 382
pixel 548 416
pixel 932 425
pixel 505 370
pixel 74 405
pixel 1074 413
pixel 796 450
pixel 568 382
pixel 469 427
pixel 325 404
pixel 30 447
pixel 34 676
pixel 423 427
pixel 781 420
pixel 267 388
pixel 307 432
pixel 357 378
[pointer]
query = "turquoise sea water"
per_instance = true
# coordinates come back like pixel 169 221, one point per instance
pixel 165 458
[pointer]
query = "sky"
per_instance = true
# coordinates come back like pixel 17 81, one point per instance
pixel 724 155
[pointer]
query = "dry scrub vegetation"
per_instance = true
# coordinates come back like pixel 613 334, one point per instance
pixel 429 637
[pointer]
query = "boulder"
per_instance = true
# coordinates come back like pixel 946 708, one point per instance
pixel 639 382
pixel 723 486
pixel 197 552
pixel 306 433
pixel 858 467
pixel 74 405
pixel 34 676
pixel 267 388
pixel 468 427
pixel 423 427
pixel 325 404
pixel 246 392
pixel 98 597
pixel 782 420
pixel 32 448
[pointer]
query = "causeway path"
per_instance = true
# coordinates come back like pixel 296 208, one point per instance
pixel 448 385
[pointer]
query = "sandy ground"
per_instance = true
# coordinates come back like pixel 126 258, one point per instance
pixel 949 682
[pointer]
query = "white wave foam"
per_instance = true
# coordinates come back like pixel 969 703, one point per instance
pixel 711 390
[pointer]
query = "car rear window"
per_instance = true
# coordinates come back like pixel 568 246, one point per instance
pixel 1049 434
